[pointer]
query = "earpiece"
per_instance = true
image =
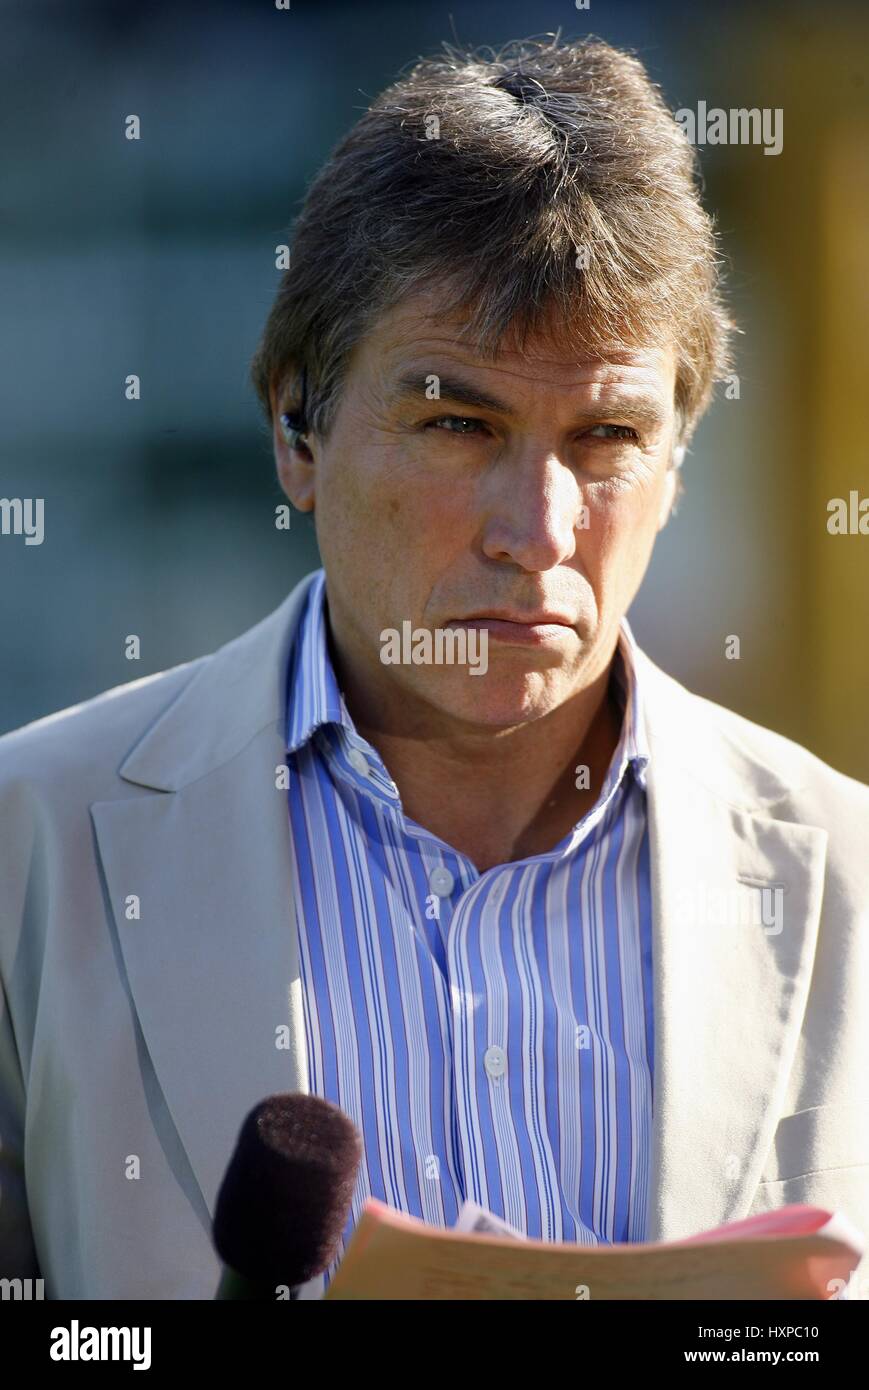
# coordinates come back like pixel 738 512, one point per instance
pixel 293 425
pixel 678 455
pixel 291 429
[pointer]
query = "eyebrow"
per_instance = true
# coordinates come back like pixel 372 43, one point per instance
pixel 644 409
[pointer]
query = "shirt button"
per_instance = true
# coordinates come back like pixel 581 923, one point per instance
pixel 358 761
pixel 495 1061
pixel 441 881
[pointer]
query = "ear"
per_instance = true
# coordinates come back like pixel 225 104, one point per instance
pixel 293 456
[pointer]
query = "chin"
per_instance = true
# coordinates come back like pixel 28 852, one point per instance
pixel 495 702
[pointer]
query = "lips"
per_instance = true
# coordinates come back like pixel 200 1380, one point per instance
pixel 518 629
pixel 526 619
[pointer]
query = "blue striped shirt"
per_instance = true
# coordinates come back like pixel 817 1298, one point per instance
pixel 490 1034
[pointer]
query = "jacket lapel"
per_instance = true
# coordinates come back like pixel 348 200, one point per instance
pixel 212 962
pixel 736 899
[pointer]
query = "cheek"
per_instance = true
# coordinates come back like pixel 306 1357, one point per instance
pixel 417 507
pixel 378 509
pixel 619 537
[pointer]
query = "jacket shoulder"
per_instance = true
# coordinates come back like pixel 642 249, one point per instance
pixel 761 763
pixel 783 780
pixel 93 737
pixel 804 773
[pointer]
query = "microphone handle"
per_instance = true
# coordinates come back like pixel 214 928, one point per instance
pixel 238 1287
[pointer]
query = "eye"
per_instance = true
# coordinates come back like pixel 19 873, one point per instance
pixel 625 432
pixel 448 423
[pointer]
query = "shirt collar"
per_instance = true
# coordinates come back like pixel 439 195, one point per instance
pixel 312 687
pixel 314 699
pixel 633 747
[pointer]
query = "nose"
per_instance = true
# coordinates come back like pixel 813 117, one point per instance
pixel 531 511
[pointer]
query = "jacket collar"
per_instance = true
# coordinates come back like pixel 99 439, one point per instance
pixel 232 695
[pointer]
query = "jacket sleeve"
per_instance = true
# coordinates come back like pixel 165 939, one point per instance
pixel 18 1259
pixel 17 1251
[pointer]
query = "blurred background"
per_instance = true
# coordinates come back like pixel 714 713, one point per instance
pixel 157 257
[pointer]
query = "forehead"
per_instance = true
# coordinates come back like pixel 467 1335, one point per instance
pixel 415 335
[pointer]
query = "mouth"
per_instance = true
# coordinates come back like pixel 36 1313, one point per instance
pixel 503 615
pixel 533 629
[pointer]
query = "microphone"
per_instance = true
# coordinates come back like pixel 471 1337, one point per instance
pixel 284 1200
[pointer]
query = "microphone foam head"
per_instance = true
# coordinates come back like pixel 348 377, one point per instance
pixel 283 1203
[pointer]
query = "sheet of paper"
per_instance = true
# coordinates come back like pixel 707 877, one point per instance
pixel 477 1220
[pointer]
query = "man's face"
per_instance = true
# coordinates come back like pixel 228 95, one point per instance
pixel 437 510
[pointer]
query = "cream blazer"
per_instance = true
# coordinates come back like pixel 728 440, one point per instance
pixel 132 1046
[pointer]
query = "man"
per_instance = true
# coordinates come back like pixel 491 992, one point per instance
pixel 557 934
